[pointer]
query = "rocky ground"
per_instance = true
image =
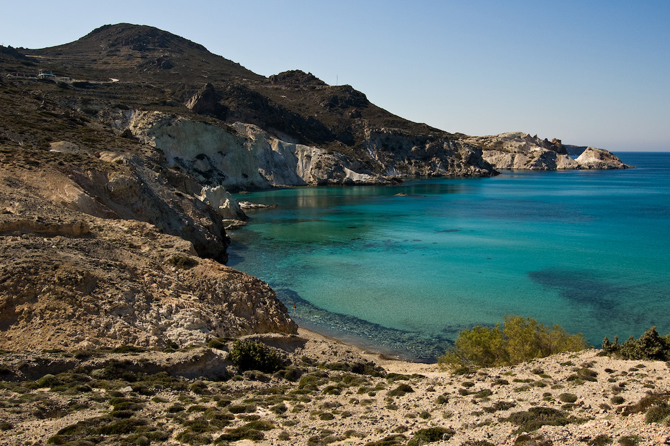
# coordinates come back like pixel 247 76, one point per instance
pixel 331 394
pixel 74 279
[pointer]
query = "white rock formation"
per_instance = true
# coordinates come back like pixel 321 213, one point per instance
pixel 221 200
pixel 521 151
pixel 241 155
pixel 593 158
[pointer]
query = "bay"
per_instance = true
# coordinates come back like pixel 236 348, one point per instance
pixel 402 269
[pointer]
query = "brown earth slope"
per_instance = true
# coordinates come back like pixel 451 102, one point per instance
pixel 75 274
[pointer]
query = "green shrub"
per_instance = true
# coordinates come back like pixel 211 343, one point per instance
pixel 629 440
pixel 520 339
pixel 658 414
pixel 254 355
pixel 484 393
pixel 241 433
pixel 391 440
pixel 536 417
pixel 48 380
pixel 401 390
pixel 217 343
pixel 600 440
pixel 650 346
pixel 648 402
pixel 499 405
pixel 430 435
pixel 291 373
pixel 617 400
pixel 567 397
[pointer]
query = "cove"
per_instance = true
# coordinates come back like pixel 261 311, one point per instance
pixel 402 269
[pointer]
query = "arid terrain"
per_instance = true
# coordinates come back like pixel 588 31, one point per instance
pixel 330 394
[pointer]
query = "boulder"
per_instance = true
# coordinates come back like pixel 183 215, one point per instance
pixel 593 158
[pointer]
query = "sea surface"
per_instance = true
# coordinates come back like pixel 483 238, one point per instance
pixel 402 269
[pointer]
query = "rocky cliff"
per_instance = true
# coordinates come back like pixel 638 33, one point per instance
pixel 593 158
pixel 72 280
pixel 244 156
pixel 521 151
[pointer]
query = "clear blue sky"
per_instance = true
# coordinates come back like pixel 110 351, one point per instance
pixel 589 72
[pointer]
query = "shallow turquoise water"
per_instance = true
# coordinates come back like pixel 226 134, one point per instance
pixel 403 274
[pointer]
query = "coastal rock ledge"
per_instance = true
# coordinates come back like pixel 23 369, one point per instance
pixel 521 151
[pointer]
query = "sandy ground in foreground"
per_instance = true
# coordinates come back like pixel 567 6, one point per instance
pixel 345 408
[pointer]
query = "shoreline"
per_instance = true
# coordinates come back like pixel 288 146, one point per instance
pixel 391 364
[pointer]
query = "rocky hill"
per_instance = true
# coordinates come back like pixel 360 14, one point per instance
pixel 120 71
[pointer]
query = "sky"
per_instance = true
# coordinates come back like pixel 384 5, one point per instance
pixel 588 72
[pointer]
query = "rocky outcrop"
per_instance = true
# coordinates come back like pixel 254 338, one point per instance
pixel 401 154
pixel 521 151
pixel 119 283
pixel 244 156
pixel 593 158
pixel 137 187
pixel 207 101
pixel 221 200
pixel 541 159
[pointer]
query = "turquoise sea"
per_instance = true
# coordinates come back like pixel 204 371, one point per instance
pixel 402 269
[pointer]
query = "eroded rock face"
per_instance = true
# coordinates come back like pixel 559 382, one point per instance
pixel 540 159
pixel 521 151
pixel 242 155
pixel 245 156
pixel 78 269
pixel 122 283
pixel 136 187
pixel 402 154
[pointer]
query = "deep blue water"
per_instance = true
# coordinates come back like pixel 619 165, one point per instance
pixel 589 250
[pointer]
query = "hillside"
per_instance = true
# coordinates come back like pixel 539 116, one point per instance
pixel 130 67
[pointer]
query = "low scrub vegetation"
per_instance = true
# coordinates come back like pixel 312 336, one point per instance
pixel 254 355
pixel 536 417
pixel 518 340
pixel 650 346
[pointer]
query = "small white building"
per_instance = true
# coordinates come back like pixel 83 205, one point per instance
pixel 46 75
